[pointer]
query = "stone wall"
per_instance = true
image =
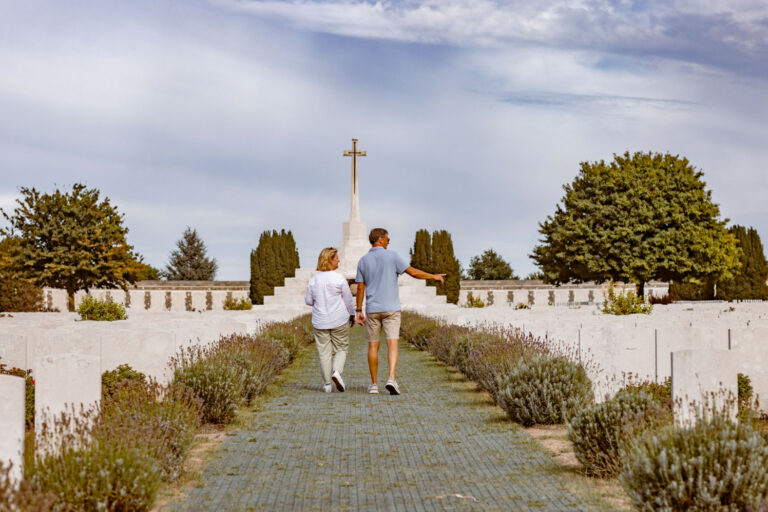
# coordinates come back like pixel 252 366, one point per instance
pixel 536 293
pixel 157 296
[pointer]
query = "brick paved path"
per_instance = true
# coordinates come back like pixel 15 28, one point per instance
pixel 307 450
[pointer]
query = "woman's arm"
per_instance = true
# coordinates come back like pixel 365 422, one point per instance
pixel 346 295
pixel 309 298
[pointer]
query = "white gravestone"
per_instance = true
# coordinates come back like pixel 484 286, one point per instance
pixel 63 381
pixel 703 381
pixel 12 408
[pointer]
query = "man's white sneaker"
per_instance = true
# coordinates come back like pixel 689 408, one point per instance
pixel 373 389
pixel 392 387
pixel 336 377
pixel 327 388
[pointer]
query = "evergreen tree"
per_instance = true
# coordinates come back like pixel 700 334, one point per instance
pixel 435 255
pixel 421 253
pixel 640 217
pixel 445 262
pixel 275 258
pixel 489 265
pixel 189 261
pixel 70 240
pixel 749 280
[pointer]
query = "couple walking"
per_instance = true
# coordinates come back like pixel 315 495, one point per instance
pixel 334 310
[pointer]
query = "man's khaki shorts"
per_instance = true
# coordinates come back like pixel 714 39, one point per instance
pixel 390 320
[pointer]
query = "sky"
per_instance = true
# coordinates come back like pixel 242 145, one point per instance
pixel 231 116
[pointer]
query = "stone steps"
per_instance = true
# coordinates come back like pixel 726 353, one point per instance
pixel 413 292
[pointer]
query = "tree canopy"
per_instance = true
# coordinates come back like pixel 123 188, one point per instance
pixel 70 240
pixel 640 217
pixel 489 265
pixel 189 262
pixel 434 254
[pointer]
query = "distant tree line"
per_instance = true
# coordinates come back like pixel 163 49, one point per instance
pixel 275 258
pixel 434 254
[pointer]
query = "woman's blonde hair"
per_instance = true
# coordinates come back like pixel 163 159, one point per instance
pixel 324 262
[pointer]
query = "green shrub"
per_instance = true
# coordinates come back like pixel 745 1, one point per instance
pixel 290 334
pixel 474 302
pixel 21 496
pixel 258 359
pixel 112 378
pixel 715 465
pixel 162 420
pixel 99 476
pixel 416 329
pixel 213 379
pixel 491 362
pixel 102 310
pixel 231 304
pixel 600 433
pixel 624 303
pixel 453 345
pixel 660 392
pixel 545 390
pixel 522 305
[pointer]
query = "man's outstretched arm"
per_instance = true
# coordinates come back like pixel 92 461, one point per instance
pixel 420 274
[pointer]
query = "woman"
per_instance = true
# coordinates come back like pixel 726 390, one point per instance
pixel 332 306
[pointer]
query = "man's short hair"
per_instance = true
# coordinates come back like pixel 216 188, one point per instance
pixel 376 233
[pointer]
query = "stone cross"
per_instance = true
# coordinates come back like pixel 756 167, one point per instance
pixel 354 209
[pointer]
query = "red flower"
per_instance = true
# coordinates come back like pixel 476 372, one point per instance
pixel 33 381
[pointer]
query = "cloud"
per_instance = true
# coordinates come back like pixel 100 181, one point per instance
pixel 724 35
pixel 233 120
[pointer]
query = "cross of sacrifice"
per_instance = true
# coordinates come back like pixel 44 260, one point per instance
pixel 354 206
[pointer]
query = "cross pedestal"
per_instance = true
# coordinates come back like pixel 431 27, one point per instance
pixel 354 242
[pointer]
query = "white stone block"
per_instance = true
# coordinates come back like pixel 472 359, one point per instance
pixel 12 412
pixel 703 381
pixel 64 381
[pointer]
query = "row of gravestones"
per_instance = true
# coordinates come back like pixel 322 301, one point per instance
pixel 702 380
pixel 579 296
pixel 151 300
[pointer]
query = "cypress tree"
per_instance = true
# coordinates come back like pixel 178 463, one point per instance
pixel 434 254
pixel 749 280
pixel 445 262
pixel 275 258
pixel 421 253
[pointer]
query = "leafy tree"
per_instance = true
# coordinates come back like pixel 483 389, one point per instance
pixel 146 272
pixel 435 255
pixel 535 276
pixel 70 240
pixel 640 217
pixel 189 261
pixel 16 295
pixel 489 265
pixel 749 281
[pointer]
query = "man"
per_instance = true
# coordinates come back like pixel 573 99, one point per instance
pixel 376 279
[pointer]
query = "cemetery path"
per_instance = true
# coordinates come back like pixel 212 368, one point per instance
pixel 440 445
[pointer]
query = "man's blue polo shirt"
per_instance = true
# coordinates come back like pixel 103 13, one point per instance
pixel 378 270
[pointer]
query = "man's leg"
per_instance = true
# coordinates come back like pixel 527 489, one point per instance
pixel 373 359
pixel 372 335
pixel 391 326
pixel 392 357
